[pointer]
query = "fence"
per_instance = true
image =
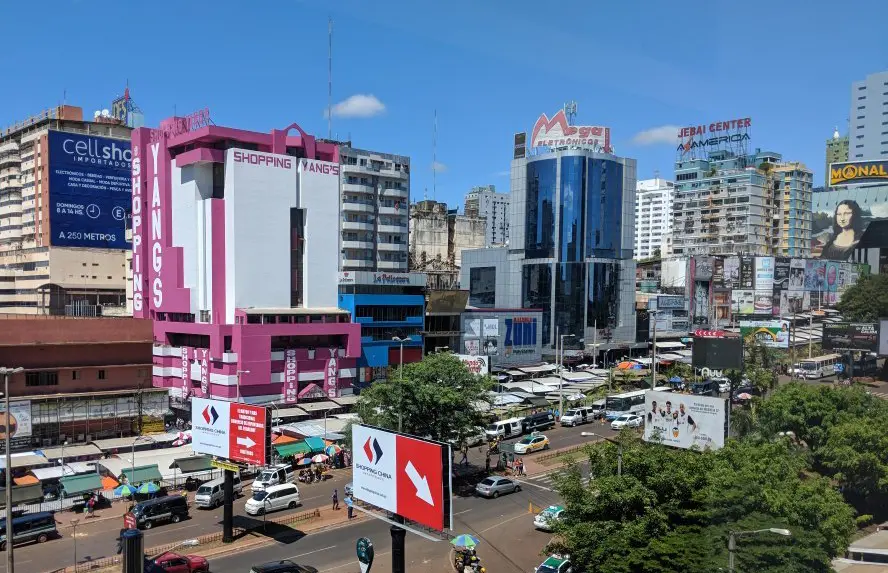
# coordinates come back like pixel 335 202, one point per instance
pixel 202 540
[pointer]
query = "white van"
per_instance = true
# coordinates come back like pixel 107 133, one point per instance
pixel 504 429
pixel 212 493
pixel 577 416
pixel 274 497
pixel 273 475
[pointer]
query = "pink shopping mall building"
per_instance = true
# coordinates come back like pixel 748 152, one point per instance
pixel 235 258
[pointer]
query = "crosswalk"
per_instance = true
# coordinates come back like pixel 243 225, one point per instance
pixel 544 481
pixel 882 395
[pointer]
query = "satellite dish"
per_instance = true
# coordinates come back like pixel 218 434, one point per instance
pixel 105 113
pixel 97 114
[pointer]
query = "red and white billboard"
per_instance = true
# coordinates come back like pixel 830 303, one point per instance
pixel 404 475
pixel 709 333
pixel 556 132
pixel 233 431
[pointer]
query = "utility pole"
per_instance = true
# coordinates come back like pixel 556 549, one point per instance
pixel 10 561
pixel 329 78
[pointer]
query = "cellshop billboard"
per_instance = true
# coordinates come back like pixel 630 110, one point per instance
pixel 89 190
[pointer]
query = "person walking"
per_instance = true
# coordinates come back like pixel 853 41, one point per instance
pixel 465 456
pixel 335 499
pixel 349 505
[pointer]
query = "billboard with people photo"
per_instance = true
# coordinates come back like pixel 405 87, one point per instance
pixel 839 219
pixel 684 420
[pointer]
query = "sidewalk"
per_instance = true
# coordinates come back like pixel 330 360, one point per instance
pixel 116 511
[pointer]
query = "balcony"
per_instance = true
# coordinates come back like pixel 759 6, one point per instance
pixel 357 226
pixel 392 247
pixel 356 264
pixel 358 207
pixel 358 188
pixel 358 245
pixel 396 193
pixel 400 210
pixel 392 228
pixel 392 265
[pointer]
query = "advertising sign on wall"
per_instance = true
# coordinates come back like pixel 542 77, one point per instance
pixel 473 327
pixel 770 333
pixel 732 272
pixel 473 347
pixel 230 430
pixel 475 364
pixel 781 273
pixel 664 302
pixel 851 336
pixel 19 419
pixel 684 421
pixel 718 273
pixel 797 274
pixel 556 132
pixel 291 377
pixel 89 190
pixel 764 273
pixel 858 172
pixel 742 301
pixel 331 377
pixel 404 475
pixel 747 272
pixel 491 327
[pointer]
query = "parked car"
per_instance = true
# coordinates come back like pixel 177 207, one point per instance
pixel 532 443
pixel 581 415
pixel 705 388
pixel 538 421
pixel 170 562
pixel 503 429
pixel 212 493
pixel 627 421
pixel 283 566
pixel 274 475
pixel 273 498
pixel 149 513
pixel 495 486
pixel 545 520
pixel 724 385
pixel 555 564
pixel 39 527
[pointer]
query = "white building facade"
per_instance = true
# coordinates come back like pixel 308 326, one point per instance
pixel 485 202
pixel 868 130
pixel 653 218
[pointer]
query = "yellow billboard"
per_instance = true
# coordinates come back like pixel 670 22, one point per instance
pixel 858 172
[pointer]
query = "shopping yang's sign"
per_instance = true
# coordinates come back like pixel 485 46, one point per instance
pixel 89 190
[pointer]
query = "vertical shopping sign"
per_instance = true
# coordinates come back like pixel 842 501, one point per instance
pixel 186 373
pixel 291 378
pixel 404 475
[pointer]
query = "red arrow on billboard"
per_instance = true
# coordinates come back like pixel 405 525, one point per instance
pixel 709 333
pixel 420 481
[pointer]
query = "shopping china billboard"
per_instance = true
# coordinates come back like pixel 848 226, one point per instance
pixel 556 132
pixel 684 420
pixel 230 430
pixel 404 475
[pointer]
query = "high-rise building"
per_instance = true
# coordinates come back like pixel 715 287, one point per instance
pixel 236 259
pixel 868 128
pixel 570 247
pixel 653 217
pixel 836 152
pixel 732 203
pixel 375 199
pixel 64 200
pixel 485 202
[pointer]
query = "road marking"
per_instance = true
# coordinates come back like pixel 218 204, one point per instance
pixel 462 512
pixel 310 552
pixel 502 522
pixel 534 485
pixel 350 563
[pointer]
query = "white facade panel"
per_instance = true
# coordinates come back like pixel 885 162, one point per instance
pixel 187 225
pixel 260 190
pixel 319 199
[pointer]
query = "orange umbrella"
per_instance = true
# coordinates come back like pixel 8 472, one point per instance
pixel 625 365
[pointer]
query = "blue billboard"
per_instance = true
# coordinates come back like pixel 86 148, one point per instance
pixel 90 197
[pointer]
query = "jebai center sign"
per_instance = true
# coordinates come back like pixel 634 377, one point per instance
pixel 714 135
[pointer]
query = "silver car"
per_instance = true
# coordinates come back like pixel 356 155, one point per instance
pixel 494 486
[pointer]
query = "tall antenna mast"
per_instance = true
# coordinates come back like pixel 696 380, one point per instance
pixel 435 158
pixel 329 78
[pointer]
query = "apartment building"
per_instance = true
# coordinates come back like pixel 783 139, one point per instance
pixel 868 128
pixel 733 203
pixel 375 199
pixel 64 202
pixel 653 217
pixel 484 201
pixel 836 152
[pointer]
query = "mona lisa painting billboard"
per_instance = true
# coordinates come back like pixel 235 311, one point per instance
pixel 839 219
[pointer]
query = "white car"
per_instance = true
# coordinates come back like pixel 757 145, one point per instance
pixel 627 421
pixel 724 385
pixel 274 497
pixel 532 443
pixel 545 519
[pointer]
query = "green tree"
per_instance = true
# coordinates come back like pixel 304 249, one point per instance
pixel 867 300
pixel 438 398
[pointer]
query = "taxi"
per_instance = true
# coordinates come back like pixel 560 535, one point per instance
pixel 532 443
pixel 545 520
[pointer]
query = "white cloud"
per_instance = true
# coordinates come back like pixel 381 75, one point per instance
pixel 358 105
pixel 655 135
pixel 438 167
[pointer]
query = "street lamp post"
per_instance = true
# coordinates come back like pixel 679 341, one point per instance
pixel 732 541
pixel 654 350
pixel 561 338
pixel 615 442
pixel 238 374
pixel 401 341
pixel 147 439
pixel 10 562
pixel 74 523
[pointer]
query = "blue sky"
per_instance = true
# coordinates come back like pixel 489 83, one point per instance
pixel 489 68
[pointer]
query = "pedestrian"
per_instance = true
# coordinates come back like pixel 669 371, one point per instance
pixel 465 456
pixel 120 541
pixel 335 499
pixel 90 505
pixel 349 505
pixel 521 471
pixel 487 463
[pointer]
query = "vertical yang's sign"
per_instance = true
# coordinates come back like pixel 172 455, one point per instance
pixel 331 377
pixel 404 475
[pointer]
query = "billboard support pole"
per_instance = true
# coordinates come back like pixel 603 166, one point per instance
pixel 398 535
pixel 228 511
pixel 10 561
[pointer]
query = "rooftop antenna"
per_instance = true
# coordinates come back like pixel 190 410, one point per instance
pixel 329 78
pixel 435 158
pixel 570 110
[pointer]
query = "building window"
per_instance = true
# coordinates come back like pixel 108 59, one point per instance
pixel 75 375
pixel 41 379
pixel 101 374
pixel 482 287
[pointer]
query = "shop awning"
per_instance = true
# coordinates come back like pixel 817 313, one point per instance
pixel 316 444
pixel 292 449
pixel 537 401
pixel 27 479
pixel 85 483
pixel 141 474
pixel 192 464
pixel 70 452
pixel 24 461
pixel 281 439
pixel 23 494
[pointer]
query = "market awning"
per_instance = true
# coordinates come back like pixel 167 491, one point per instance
pixel 669 345
pixel 292 449
pixel 23 494
pixel 27 479
pixel 192 464
pixel 70 452
pixel 24 461
pixel 316 444
pixel 141 474
pixel 537 401
pixel 86 483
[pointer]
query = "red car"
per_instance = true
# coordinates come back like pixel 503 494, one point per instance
pixel 170 562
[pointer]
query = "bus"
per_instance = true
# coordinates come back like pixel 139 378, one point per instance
pixel 818 367
pixel 628 403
